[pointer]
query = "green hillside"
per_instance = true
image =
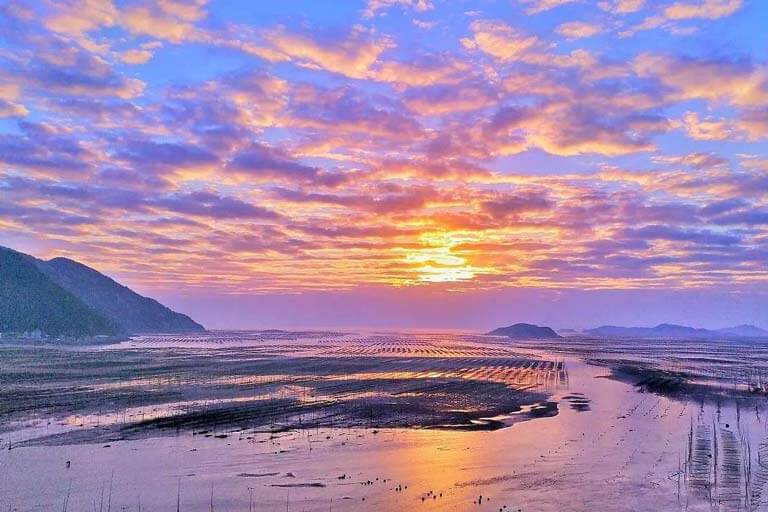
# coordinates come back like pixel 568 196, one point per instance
pixel 121 305
pixel 30 300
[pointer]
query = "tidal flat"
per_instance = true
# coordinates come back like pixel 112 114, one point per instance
pixel 274 420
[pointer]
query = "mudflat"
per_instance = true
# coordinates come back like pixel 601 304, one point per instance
pixel 383 421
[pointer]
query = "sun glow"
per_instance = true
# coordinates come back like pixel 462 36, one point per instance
pixel 438 263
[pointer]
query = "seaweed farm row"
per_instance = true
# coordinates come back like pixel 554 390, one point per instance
pixel 160 382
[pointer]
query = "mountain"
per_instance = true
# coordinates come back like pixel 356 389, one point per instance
pixel 126 308
pixel 660 331
pixel 62 297
pixel 525 331
pixel 30 301
pixel 674 331
pixel 747 331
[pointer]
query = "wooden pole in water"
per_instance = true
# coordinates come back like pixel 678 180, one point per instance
pixel 109 499
pixel 66 498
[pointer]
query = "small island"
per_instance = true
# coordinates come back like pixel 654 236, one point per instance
pixel 525 331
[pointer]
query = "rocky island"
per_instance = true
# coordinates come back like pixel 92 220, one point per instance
pixel 525 331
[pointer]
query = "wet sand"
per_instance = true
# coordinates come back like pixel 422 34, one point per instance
pixel 611 446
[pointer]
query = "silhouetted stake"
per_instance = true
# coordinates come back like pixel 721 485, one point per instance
pixel 66 498
pixel 715 450
pixel 109 500
pixel 178 496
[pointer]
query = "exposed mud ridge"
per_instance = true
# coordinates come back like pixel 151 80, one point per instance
pixel 682 385
pixel 705 370
pixel 110 395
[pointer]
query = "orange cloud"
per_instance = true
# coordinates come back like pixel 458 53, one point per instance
pixel 9 95
pixel 78 17
pixel 578 29
pixel 166 19
pixel 682 11
pixel 712 80
pixel 706 129
pixel 501 41
pixel 707 9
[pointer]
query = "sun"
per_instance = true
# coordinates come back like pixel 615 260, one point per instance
pixel 437 263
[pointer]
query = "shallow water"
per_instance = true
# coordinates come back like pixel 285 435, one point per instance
pixel 610 447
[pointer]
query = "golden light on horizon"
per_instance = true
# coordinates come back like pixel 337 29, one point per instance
pixel 438 263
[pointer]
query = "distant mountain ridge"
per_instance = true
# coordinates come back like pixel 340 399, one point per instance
pixel 62 297
pixel 675 331
pixel 525 331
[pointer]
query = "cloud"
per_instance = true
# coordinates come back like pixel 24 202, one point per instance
pixel 174 157
pixel 12 109
pixel 706 129
pixel 350 112
pixel 140 55
pixel 9 96
pixel 723 206
pixel 755 123
pixel 213 205
pixel 672 234
pixel 259 161
pixel 402 201
pixel 538 6
pixel 170 20
pixel 705 9
pixel 500 40
pixel 447 99
pixel 622 6
pixel 352 56
pixel 420 71
pixel 512 204
pixel 578 29
pixel 71 71
pixel 45 153
pixel 565 129
pixel 683 11
pixel 320 157
pixel 77 17
pixel 755 217
pixel 716 80
pixel 374 7
pixel 510 46
pixel 698 160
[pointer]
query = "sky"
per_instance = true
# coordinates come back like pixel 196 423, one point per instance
pixel 396 163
